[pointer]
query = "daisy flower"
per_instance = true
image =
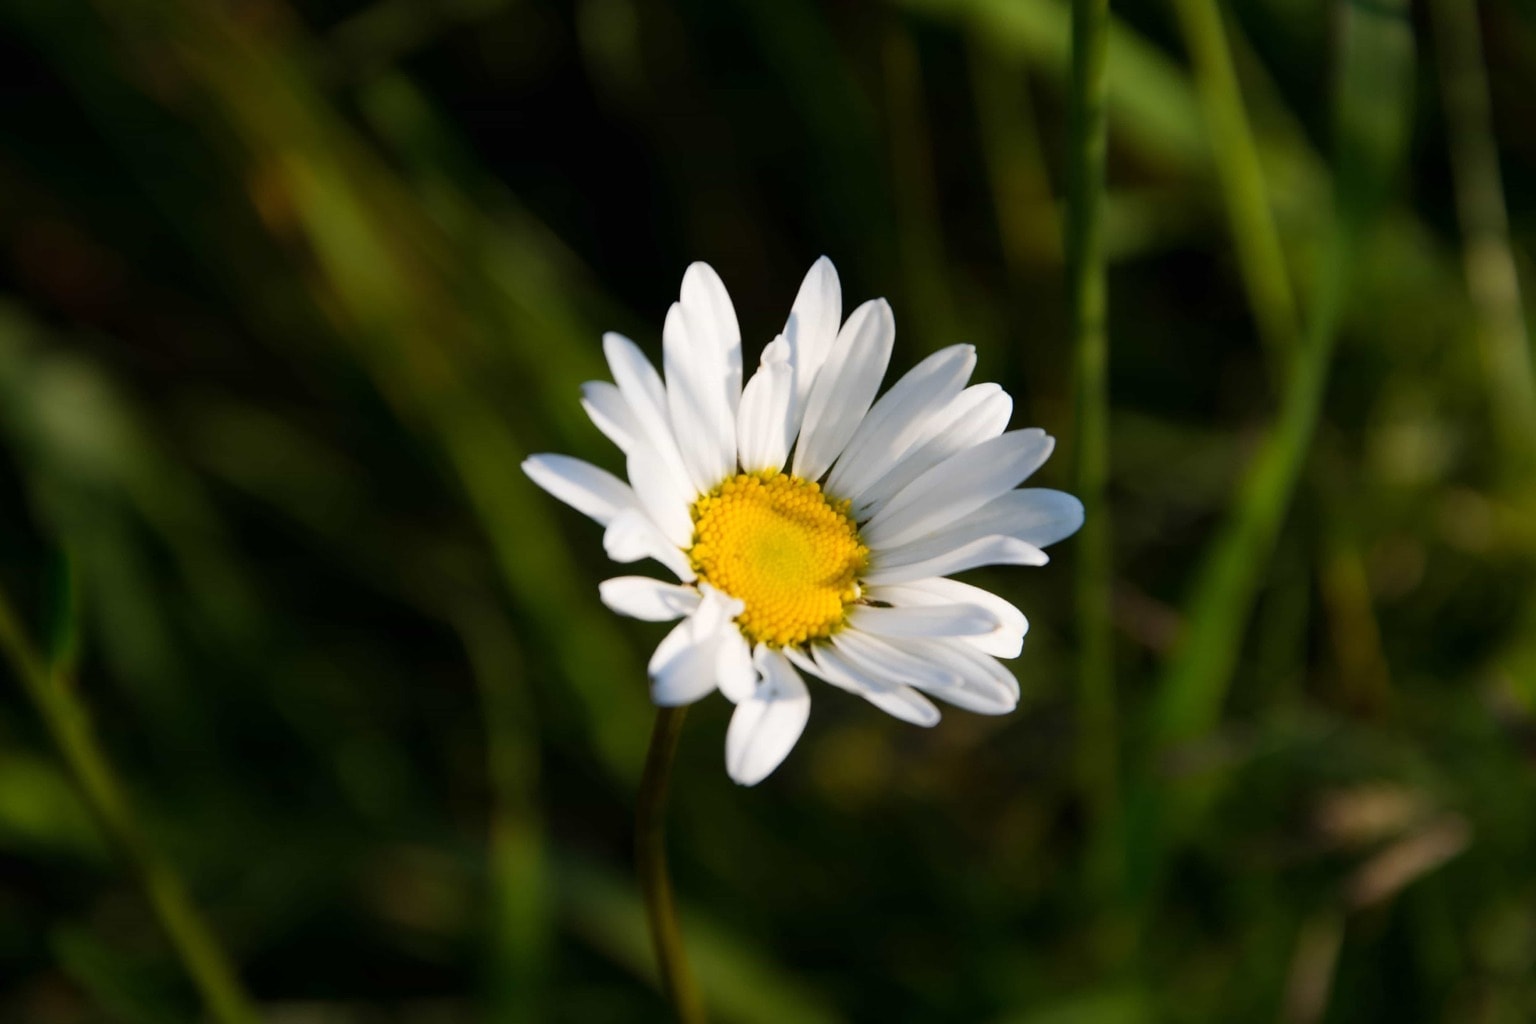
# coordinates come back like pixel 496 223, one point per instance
pixel 812 529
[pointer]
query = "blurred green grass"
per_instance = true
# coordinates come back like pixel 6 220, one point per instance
pixel 288 292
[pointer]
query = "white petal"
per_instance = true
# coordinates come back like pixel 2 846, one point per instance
pixel 641 387
pixel 589 490
pixel 799 658
pixel 766 725
pixel 979 413
pixel 633 536
pixel 646 399
pixel 960 485
pixel 641 597
pixel 716 610
pixel 845 387
pixel 682 670
pixel 652 486
pixel 605 405
pixel 693 403
pixel 701 355
pixel 1020 515
pixel 882 659
pixel 895 699
pixel 901 418
pixel 812 329
pixel 986 686
pixel 1004 642
pixel 1035 516
pixel 999 644
pixel 712 319
pixel 932 620
pixel 733 662
pixel 765 424
pixel 685 664
pixel 993 550
pixel 905 703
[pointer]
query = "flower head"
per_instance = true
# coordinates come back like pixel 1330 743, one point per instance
pixel 812 528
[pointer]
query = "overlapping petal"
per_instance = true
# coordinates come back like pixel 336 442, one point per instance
pixel 958 486
pixel 895 699
pixel 1035 516
pixel 844 388
pixel 903 415
pixel 767 724
pixel 812 329
pixel 641 597
pixel 701 355
pixel 765 422
pixel 591 491
pixel 605 406
pixel 632 536
pixel 924 620
pixel 1006 641
pixel 977 414
pixel 646 398
pixel 685 664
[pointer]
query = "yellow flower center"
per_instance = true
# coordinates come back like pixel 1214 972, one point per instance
pixel 784 549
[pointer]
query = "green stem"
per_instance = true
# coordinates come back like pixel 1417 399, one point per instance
pixel 1195 680
pixel 916 193
pixel 1097 772
pixel 1372 100
pixel 517 858
pixel 52 690
pixel 651 858
pixel 1027 222
pixel 1492 280
pixel 1236 157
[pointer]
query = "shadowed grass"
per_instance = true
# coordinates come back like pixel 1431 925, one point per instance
pixel 49 682
pixel 1236 157
pixel 1488 261
pixel 1373 105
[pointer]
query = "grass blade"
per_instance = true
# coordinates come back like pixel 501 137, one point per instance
pixel 1087 294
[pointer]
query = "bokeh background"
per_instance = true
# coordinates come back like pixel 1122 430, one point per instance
pixel 287 291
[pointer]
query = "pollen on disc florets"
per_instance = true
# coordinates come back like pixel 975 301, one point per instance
pixel 789 553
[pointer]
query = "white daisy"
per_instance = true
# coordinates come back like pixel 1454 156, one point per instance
pixel 811 527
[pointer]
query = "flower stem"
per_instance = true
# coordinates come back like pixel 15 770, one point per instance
pixel 1097 761
pixel 651 858
pixel 51 689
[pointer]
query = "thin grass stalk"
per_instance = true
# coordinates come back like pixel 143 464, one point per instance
pixel 655 880
pixel 1194 683
pixel 1492 279
pixel 1267 281
pixel 1087 292
pixel 51 689
pixel 1372 109
pixel 1271 297
pixel 920 237
pixel 520 915
pixel 1235 153
pixel 1027 219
